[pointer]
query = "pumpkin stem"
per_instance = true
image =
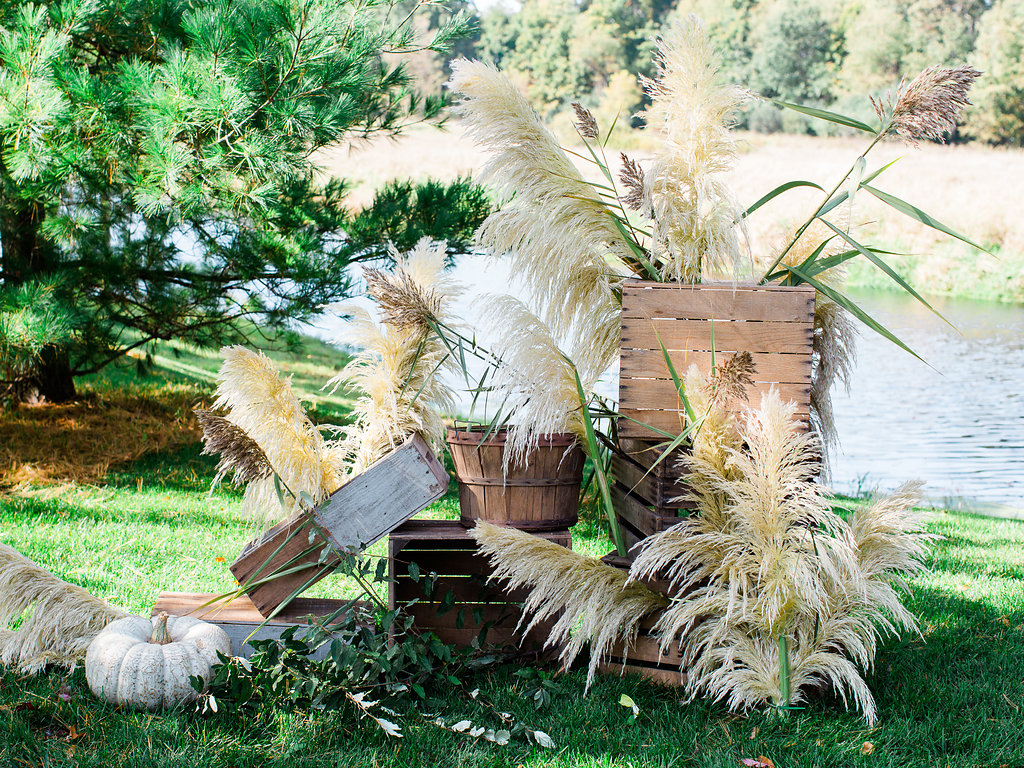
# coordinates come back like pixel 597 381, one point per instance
pixel 160 634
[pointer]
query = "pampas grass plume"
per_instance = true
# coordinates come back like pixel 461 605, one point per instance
pixel 593 601
pixel 59 619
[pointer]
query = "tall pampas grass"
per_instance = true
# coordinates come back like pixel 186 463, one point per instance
pixel 401 361
pixel 696 220
pixel 553 226
pixel 777 596
pixel 58 619
pixel 593 602
pixel 260 402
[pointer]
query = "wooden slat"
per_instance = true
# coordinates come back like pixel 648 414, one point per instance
pixel 384 496
pixel 463 589
pixel 646 648
pixel 717 301
pixel 240 619
pixel 641 516
pixel 668 421
pixel 662 490
pixel 668 677
pixel 650 364
pixel 660 394
pixel 729 336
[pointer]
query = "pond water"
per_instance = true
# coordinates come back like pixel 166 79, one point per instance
pixel 956 423
pixel 959 424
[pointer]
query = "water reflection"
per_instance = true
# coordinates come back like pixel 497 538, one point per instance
pixel 959 424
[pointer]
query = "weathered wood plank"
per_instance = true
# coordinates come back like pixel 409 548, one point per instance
pixel 240 619
pixel 384 496
pixel 776 367
pixel 668 421
pixel 721 301
pixel 661 394
pixel 363 510
pixel 729 336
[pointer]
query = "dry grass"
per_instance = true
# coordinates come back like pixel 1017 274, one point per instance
pixel 79 442
pixel 973 189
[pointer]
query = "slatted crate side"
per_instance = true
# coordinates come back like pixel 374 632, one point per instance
pixel 462 600
pixel 640 515
pixel 773 323
pixel 661 487
pixel 644 657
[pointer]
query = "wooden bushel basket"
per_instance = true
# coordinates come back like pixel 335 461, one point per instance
pixel 541 495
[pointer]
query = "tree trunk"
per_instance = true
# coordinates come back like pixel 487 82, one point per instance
pixel 26 256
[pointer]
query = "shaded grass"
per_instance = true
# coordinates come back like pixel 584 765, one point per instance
pixel 952 697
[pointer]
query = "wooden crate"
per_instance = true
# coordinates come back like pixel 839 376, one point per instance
pixel 303 549
pixel 775 324
pixel 239 618
pixel 644 657
pixel 462 600
pixel 646 492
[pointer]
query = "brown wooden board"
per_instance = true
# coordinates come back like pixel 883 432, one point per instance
pixel 292 556
pixel 641 516
pixel 240 619
pixel 775 324
pixel 462 601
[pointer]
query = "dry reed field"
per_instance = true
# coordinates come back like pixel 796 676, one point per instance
pixel 975 190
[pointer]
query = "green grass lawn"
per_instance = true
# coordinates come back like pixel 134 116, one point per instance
pixel 952 697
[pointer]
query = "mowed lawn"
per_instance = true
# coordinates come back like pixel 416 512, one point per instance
pixel 950 697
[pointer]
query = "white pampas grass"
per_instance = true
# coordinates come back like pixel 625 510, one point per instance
pixel 553 226
pixel 401 360
pixel 766 567
pixel 261 402
pixel 535 383
pixel 695 218
pixel 59 620
pixel 593 601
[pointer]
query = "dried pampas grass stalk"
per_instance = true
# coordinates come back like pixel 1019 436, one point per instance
pixel 696 220
pixel 262 404
pixel 929 107
pixel 58 619
pixel 238 452
pixel 535 383
pixel 593 601
pixel 401 360
pixel 553 226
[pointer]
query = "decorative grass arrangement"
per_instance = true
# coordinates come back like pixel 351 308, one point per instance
pixel 773 596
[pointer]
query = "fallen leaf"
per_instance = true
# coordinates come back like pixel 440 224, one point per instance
pixel 626 701
pixel 760 762
pixel 867 748
pixel 219 560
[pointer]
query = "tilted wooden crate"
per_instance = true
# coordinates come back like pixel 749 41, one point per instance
pixel 303 549
pixel 461 605
pixel 647 492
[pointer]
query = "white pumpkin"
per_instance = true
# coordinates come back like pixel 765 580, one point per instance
pixel 146 663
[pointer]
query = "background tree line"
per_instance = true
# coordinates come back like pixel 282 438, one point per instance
pixel 821 52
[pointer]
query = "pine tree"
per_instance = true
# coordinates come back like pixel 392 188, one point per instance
pixel 156 171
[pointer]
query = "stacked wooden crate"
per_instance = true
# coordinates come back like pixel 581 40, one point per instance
pixel 438 565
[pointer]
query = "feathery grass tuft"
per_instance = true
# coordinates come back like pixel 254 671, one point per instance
pixel 553 227
pixel 58 620
pixel 401 360
pixel 696 220
pixel 262 404
pixel 929 107
pixel 595 602
pixel 238 452
pixel 765 568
